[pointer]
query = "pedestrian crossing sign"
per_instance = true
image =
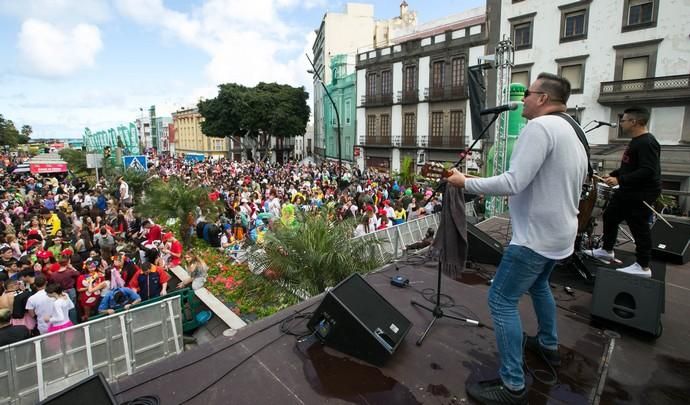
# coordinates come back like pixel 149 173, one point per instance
pixel 136 162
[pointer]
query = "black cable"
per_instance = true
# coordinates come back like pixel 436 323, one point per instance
pixel 145 400
pixel 286 326
pixel 270 325
pixel 551 373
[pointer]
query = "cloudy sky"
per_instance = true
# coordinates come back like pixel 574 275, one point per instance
pixel 70 64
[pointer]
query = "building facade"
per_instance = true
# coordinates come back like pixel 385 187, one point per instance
pixel 412 98
pixel 345 33
pixel 616 54
pixel 161 141
pixel 189 139
pixel 343 92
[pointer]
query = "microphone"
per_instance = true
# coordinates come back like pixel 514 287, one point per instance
pixel 499 109
pixel 608 124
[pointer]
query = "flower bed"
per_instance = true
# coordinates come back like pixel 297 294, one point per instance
pixel 248 295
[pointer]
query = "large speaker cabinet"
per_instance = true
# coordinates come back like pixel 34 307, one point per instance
pixel 355 319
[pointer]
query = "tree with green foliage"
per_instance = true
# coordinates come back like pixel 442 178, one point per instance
pixel 316 253
pixel 406 176
pixel 76 161
pixel 10 136
pixel 175 199
pixel 262 112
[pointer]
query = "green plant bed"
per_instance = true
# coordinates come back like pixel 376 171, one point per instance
pixel 250 296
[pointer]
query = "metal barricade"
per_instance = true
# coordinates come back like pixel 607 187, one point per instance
pixel 117 345
pixel 392 241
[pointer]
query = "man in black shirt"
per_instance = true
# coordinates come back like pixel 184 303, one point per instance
pixel 639 181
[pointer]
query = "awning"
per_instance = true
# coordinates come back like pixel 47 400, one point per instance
pixel 56 167
pixel 23 168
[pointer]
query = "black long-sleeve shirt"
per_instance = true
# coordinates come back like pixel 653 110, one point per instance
pixel 640 170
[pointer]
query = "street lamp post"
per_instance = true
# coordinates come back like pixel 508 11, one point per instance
pixel 337 115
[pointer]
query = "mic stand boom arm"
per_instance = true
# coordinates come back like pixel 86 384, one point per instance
pixel 442 183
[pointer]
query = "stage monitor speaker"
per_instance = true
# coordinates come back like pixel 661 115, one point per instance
pixel 355 319
pixel 629 300
pixel 92 390
pixel 671 244
pixel 482 248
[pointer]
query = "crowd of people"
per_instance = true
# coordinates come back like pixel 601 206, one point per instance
pixel 70 250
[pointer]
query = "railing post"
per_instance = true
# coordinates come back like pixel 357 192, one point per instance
pixel 39 370
pixel 89 354
pixel 174 326
pixel 125 343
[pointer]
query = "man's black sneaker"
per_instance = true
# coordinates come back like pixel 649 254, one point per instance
pixel 552 356
pixel 495 392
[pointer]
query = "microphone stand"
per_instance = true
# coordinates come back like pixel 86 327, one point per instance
pixel 437 310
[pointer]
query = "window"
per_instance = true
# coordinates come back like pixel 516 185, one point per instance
pixel 218 144
pixel 456 123
pixel 409 125
pixel 371 84
pixel 371 125
pixel 410 78
pixel 574 75
pixel 437 123
pixel 334 117
pixel 522 35
pixel 386 82
pixel 635 68
pixel 348 112
pixel 385 125
pixel 640 14
pixel 437 74
pixel 457 71
pixel 573 69
pixel 520 77
pixel 574 24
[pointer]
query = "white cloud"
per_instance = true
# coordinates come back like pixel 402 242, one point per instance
pixel 52 51
pixel 64 11
pixel 246 41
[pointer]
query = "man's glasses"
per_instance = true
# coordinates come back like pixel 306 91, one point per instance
pixel 527 93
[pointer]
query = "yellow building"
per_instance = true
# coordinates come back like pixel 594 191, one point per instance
pixel 190 140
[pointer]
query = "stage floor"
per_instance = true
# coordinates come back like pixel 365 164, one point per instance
pixel 602 363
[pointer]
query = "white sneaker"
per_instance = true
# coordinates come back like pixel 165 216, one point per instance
pixel 636 270
pixel 600 254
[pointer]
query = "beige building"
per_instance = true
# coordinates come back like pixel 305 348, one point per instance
pixel 190 140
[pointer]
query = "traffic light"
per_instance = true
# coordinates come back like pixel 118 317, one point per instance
pixel 106 152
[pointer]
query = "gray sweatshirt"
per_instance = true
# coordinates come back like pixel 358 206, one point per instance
pixel 547 169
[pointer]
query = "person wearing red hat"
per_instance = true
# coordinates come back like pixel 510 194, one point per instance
pixel 173 248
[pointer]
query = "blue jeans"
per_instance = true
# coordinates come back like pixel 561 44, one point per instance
pixel 521 270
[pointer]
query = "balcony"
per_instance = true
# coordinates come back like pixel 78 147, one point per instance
pixel 410 96
pixel 373 100
pixel 445 93
pixel 409 141
pixel 655 90
pixel 445 141
pixel 378 141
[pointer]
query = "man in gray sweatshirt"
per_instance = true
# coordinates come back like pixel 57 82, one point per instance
pixel 547 169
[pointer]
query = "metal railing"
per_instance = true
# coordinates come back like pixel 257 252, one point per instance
pixel 378 140
pixel 446 141
pixel 391 241
pixel 445 92
pixel 647 84
pixel 410 96
pixel 377 99
pixel 117 345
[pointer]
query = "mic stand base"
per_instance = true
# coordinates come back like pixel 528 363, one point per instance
pixel 438 313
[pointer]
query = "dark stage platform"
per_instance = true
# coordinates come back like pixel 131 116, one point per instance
pixel 603 363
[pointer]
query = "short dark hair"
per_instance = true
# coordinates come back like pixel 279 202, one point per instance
pixel 557 87
pixel 40 280
pixel 119 297
pixel 639 114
